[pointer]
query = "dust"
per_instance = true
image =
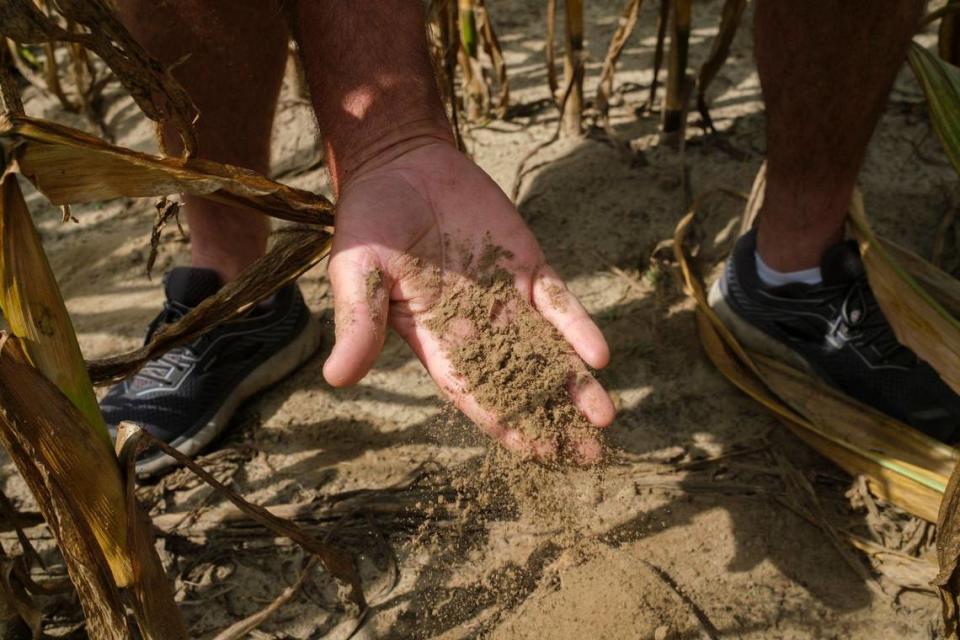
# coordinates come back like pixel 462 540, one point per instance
pixel 374 281
pixel 374 284
pixel 558 297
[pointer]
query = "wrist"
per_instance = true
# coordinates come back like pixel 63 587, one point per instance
pixel 377 146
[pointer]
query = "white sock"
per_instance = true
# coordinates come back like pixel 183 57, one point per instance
pixel 773 278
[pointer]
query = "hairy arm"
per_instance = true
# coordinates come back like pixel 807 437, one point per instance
pixel 374 89
pixel 412 211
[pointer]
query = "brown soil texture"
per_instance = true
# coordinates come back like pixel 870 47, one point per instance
pixel 690 515
pixel 514 362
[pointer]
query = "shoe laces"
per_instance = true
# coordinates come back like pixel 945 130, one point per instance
pixel 862 320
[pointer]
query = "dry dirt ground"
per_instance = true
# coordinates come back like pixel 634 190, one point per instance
pixel 662 546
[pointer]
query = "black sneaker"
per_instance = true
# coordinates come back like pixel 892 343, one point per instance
pixel 837 331
pixel 187 396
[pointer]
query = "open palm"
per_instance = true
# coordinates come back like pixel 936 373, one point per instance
pixel 401 227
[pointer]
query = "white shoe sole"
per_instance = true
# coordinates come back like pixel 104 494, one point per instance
pixel 270 372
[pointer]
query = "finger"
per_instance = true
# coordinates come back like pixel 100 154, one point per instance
pixel 562 309
pixel 592 400
pixel 360 298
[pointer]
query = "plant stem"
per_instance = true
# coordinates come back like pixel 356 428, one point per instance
pixel 674 105
pixel 572 63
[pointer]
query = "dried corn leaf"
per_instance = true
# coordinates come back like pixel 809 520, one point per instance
pixel 152 592
pixel 294 254
pixel 81 494
pixel 907 572
pixel 21 616
pixel 131 439
pixel 34 310
pixel 156 92
pixel 34 78
pixel 69 166
pixel 491 45
pixel 84 510
pixel 918 319
pixel 242 628
pixel 922 303
pixel 9 92
pixel 940 81
pixel 901 464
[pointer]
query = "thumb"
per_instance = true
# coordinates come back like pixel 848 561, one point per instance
pixel 360 300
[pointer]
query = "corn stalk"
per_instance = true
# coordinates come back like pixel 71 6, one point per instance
pixel 476 92
pixel 550 50
pixel 573 68
pixel 678 84
pixel 50 155
pixel 461 30
pixel 443 26
pixel 663 20
pixel 729 24
pixel 625 26
pixel 491 46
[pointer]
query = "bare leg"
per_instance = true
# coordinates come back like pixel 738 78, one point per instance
pixel 826 67
pixel 234 70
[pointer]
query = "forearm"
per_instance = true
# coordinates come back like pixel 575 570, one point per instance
pixel 371 80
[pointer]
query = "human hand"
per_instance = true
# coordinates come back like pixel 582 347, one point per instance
pixel 409 232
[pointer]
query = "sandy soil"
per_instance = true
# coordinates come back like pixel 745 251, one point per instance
pixel 664 547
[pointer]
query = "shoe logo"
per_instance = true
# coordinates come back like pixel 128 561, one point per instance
pixel 166 374
pixel 838 335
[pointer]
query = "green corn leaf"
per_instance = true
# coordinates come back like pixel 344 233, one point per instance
pixel 941 86
pixel 34 309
